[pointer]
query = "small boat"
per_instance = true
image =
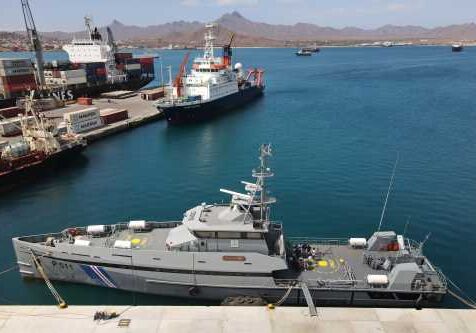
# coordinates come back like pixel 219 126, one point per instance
pixel 457 47
pixel 303 53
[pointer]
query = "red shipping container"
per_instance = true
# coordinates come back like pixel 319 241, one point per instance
pixel 149 61
pixel 16 79
pixel 85 101
pixel 10 112
pixel 114 116
pixel 100 71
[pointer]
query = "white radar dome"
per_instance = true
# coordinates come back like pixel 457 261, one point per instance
pixel 238 66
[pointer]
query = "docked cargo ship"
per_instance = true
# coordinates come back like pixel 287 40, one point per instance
pixel 95 66
pixel 213 87
pixel 41 146
pixel 221 251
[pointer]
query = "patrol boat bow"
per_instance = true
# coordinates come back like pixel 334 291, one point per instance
pixel 224 250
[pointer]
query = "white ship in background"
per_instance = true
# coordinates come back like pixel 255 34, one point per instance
pixel 212 87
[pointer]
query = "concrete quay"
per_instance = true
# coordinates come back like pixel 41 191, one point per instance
pixel 140 112
pixel 216 319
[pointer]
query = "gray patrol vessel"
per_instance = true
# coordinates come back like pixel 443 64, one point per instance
pixel 235 251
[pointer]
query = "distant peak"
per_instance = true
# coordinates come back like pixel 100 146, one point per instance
pixel 116 22
pixel 236 14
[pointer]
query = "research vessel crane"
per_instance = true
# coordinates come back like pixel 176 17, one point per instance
pixel 35 41
pixel 178 83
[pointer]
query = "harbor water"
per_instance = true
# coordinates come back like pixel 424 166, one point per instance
pixel 337 122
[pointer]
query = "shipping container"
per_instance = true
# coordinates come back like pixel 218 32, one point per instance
pixel 110 116
pixel 11 127
pixel 19 79
pixel 74 73
pixel 16 71
pixel 10 112
pixel 121 57
pixel 84 125
pixel 131 67
pixel 14 63
pixel 85 101
pixel 101 71
pixel 81 115
pixel 146 60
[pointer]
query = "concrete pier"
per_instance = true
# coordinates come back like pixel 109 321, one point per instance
pixel 197 319
pixel 140 112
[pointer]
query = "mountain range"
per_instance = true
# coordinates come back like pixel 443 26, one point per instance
pixel 251 33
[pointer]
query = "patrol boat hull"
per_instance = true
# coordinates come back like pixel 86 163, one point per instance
pixel 177 114
pixel 157 274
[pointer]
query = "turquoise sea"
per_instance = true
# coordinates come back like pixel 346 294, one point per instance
pixel 337 121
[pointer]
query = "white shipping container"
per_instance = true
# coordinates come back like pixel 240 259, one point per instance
pixel 76 80
pixel 84 126
pixel 81 115
pixel 16 71
pixel 130 67
pixel 73 73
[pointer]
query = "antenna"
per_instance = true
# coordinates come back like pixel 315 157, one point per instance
pixel 406 226
pixel 388 192
pixel 424 241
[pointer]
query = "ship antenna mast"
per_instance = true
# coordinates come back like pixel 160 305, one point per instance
pixel 388 192
pixel 35 41
pixel 87 22
pixel 209 38
pixel 261 174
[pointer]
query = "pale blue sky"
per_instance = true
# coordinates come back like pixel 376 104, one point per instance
pixel 67 15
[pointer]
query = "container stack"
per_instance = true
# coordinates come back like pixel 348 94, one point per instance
pixel 110 116
pixel 95 72
pixel 133 68
pixel 67 77
pixel 16 77
pixel 82 120
pixel 10 112
pixel 12 127
pixel 147 66
pixel 152 94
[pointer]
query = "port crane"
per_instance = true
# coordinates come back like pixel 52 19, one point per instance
pixel 227 51
pixel 178 82
pixel 35 42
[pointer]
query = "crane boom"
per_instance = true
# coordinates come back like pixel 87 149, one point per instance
pixel 178 83
pixel 35 41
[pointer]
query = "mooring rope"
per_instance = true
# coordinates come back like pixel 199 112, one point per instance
pixel 285 296
pixel 467 300
pixel 8 269
pixel 61 303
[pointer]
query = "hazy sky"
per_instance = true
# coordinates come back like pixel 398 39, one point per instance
pixel 66 15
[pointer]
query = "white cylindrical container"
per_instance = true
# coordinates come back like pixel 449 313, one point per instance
pixel 357 242
pixel 377 279
pixel 122 244
pixel 137 225
pixel 96 229
pixel 81 242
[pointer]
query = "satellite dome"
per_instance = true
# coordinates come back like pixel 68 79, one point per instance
pixel 238 66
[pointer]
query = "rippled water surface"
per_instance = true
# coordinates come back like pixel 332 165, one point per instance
pixel 336 120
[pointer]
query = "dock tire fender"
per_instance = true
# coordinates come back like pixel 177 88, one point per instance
pixel 193 291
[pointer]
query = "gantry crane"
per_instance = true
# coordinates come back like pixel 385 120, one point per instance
pixel 35 42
